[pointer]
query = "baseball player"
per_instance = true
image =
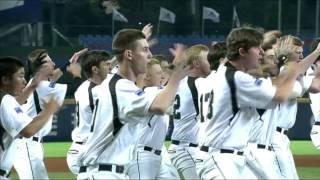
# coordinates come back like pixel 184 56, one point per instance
pixel 184 140
pixel 95 65
pixel 315 101
pixel 14 122
pixel 216 58
pixel 149 161
pixel 261 159
pixel 288 110
pixel 236 95
pixel 29 160
pixel 121 106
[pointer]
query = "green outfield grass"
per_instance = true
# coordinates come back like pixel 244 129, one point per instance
pixel 304 148
pixel 59 149
pixel 53 176
pixel 298 148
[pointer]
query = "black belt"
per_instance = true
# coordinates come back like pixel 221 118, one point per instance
pixel 104 167
pixel 262 146
pixel 4 173
pixel 79 143
pixel 37 139
pixel 317 123
pixel 176 142
pixel 206 149
pixel 156 151
pixel 240 153
pixel 281 130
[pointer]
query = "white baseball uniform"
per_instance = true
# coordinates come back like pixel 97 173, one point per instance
pixel 205 98
pixel 84 109
pixel 147 163
pixel 236 97
pixel 259 154
pixel 315 108
pixel 280 140
pixel 12 121
pixel 120 107
pixel 184 139
pixel 29 160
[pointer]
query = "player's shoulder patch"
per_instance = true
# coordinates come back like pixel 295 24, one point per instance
pixel 18 110
pixel 139 92
pixel 258 82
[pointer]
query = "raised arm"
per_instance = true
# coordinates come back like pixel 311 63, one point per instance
pixel 41 119
pixel 166 97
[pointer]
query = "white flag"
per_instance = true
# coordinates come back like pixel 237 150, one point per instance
pixel 10 4
pixel 235 18
pixel 167 16
pixel 117 16
pixel 209 13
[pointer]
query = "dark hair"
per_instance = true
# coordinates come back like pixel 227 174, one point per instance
pixel 125 39
pixel 243 37
pixel 35 58
pixel 92 58
pixel 314 46
pixel 216 52
pixel 270 39
pixel 8 66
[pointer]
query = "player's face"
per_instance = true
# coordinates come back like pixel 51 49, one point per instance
pixel 204 64
pixel 104 68
pixel 252 57
pixel 141 55
pixel 155 75
pixel 47 61
pixel 17 83
pixel 270 59
pixel 299 51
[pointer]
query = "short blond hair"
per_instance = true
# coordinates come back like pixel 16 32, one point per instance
pixel 152 62
pixel 193 52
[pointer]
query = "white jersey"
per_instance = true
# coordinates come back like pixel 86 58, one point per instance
pixel 154 130
pixel 264 126
pixel 44 91
pixel 234 109
pixel 186 111
pixel 12 121
pixel 315 100
pixel 205 98
pixel 115 121
pixel 288 109
pixel 84 108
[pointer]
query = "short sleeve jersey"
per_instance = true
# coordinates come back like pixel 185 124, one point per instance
pixel 84 110
pixel 44 91
pixel 119 109
pixel 186 112
pixel 236 97
pixel 12 121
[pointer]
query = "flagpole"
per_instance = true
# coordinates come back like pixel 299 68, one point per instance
pixel 112 27
pixel 202 27
pixel 158 27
